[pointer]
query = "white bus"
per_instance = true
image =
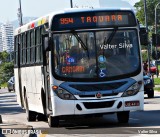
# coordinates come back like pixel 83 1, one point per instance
pixel 79 62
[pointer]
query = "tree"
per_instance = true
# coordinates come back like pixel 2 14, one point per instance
pixel 6 68
pixel 6 71
pixel 144 56
pixel 150 11
pixel 150 4
pixel 3 56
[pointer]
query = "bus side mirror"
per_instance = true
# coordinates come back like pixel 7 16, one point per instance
pixel 155 39
pixel 143 36
pixel 46 44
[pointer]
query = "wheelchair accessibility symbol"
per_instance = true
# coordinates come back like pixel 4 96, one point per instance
pixel 102 74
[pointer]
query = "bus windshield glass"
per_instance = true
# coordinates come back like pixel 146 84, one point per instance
pixel 96 54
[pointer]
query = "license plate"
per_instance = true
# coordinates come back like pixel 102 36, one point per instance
pixel 132 103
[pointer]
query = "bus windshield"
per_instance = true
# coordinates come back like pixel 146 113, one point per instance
pixel 96 54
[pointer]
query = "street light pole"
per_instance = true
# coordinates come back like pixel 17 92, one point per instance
pixel 146 24
pixel 71 3
pixel 20 14
pixel 156 34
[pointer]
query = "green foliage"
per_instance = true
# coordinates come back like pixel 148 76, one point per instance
pixel 6 71
pixel 150 4
pixel 157 81
pixel 6 68
pixel 143 47
pixel 157 88
pixel 3 85
pixel 3 56
pixel 144 56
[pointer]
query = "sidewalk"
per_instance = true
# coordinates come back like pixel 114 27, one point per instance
pixel 157 86
pixel 11 129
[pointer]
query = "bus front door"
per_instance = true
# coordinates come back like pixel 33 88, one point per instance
pixel 18 73
pixel 46 73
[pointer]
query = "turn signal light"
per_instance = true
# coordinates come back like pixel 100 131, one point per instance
pixel 54 87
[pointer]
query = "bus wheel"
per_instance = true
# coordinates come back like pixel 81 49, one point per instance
pixel 42 117
pixel 123 117
pixel 31 115
pixel 53 121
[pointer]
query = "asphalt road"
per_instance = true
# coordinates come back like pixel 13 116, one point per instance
pixel 140 121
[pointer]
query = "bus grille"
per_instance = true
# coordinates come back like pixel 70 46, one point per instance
pixel 94 105
pixel 92 96
pixel 98 87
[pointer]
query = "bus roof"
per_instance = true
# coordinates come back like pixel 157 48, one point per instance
pixel 47 18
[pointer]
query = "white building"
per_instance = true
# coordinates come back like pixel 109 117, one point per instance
pixel 1 46
pixel 7 37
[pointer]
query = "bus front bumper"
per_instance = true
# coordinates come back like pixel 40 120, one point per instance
pixel 99 106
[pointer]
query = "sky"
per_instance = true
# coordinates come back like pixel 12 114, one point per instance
pixel 37 8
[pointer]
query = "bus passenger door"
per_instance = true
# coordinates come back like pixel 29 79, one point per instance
pixel 17 71
pixel 45 69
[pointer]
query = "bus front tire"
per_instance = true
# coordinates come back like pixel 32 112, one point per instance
pixel 123 117
pixel 53 121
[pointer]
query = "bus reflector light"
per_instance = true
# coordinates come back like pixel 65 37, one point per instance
pixel 132 103
pixel 54 87
pixel 32 25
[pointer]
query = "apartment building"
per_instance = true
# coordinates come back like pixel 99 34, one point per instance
pixel 6 37
pixel 1 46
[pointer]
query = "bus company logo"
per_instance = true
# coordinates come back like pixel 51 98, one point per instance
pixel 98 95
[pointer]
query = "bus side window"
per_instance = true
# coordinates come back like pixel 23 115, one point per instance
pixel 28 47
pixel 16 52
pixel 32 41
pixel 38 45
pixel 35 37
pixel 24 48
pixel 20 47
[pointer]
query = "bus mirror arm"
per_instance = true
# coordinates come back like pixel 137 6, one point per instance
pixel 42 70
pixel 47 44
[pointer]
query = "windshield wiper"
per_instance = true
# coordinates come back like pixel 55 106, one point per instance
pixel 81 42
pixel 110 36
pixel 107 41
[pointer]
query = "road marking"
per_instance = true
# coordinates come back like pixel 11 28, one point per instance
pixel 43 134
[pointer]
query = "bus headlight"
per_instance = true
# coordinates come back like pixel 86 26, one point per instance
pixel 63 94
pixel 133 90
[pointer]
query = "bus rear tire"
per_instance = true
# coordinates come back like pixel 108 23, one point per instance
pixel 31 115
pixel 53 121
pixel 42 117
pixel 123 117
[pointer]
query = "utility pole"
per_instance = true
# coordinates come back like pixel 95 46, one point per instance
pixel 19 14
pixel 71 3
pixel 146 24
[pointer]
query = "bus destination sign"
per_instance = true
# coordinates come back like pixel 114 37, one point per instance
pixel 88 20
